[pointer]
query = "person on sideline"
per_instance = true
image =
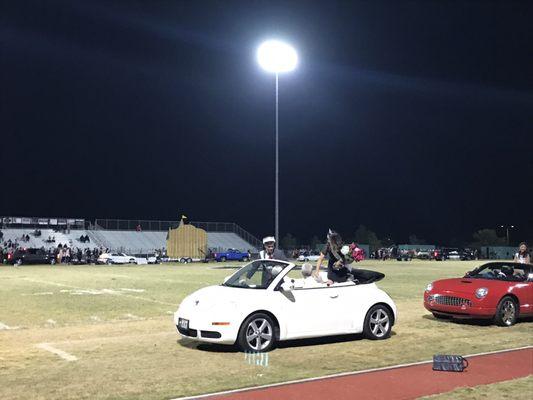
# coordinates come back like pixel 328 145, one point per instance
pixel 522 256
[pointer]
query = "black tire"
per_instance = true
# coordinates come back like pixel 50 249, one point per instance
pixel 183 260
pixel 251 327
pixel 222 259
pixel 52 262
pixel 189 260
pixel 378 322
pixel 506 312
pixel 109 262
pixel 18 262
pixel 245 259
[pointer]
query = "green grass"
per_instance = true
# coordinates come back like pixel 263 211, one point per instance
pixel 117 321
pixel 516 389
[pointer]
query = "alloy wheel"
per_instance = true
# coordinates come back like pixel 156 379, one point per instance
pixel 259 334
pixel 379 323
pixel 508 312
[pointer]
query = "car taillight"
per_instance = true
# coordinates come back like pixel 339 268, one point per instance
pixel 9 256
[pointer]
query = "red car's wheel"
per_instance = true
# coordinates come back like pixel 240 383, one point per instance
pixel 506 312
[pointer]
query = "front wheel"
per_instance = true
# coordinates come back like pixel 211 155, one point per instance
pixel 222 259
pixel 245 259
pixel 506 312
pixel 378 323
pixel 257 333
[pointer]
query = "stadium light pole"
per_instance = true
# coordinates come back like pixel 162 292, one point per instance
pixel 277 57
pixel 507 230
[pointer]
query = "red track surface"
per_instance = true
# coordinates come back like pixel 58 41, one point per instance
pixel 401 382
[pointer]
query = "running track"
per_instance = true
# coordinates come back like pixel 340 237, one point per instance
pixel 395 383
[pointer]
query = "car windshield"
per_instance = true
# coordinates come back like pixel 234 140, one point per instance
pixel 256 275
pixel 501 272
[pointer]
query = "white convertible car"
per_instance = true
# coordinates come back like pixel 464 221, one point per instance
pixel 268 301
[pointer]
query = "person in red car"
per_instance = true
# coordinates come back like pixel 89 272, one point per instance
pixel 522 256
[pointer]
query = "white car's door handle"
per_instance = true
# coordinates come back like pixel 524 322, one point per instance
pixel 334 296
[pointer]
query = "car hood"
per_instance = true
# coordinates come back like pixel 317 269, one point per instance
pixel 206 298
pixel 459 285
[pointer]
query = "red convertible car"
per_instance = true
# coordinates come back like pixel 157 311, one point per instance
pixel 502 291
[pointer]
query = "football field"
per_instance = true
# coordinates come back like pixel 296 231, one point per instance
pixel 106 332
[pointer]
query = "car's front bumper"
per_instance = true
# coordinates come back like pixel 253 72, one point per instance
pixel 201 327
pixel 467 306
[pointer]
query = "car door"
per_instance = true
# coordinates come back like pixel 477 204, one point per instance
pixel 313 312
pixel 303 311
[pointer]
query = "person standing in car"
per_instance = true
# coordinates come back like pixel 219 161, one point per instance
pixel 337 270
pixel 269 251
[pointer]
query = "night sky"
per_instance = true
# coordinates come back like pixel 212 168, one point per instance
pixel 408 117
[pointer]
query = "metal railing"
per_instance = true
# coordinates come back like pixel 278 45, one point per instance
pixel 40 222
pixel 159 226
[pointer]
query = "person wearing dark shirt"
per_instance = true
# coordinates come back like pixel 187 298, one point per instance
pixel 337 270
pixel 269 250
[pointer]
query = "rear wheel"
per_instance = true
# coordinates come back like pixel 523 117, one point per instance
pixel 223 259
pixel 506 312
pixel 378 323
pixel 109 262
pixel 257 333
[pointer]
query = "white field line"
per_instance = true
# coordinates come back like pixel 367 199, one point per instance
pixel 116 294
pixel 63 354
pixel 226 392
pixel 4 327
pixel 112 338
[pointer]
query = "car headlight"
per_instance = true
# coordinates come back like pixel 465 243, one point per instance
pixel 429 287
pixel 482 292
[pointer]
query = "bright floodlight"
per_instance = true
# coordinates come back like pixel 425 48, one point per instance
pixel 276 56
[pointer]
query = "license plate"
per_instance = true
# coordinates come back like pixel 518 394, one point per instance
pixel 183 323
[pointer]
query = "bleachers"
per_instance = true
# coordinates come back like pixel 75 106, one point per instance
pixel 227 240
pixel 124 241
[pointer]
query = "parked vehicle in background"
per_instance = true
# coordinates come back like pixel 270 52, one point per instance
pixel 423 255
pixel 404 255
pixel 308 256
pixel 468 255
pixel 115 258
pixel 454 255
pixel 31 256
pixel 153 258
pixel 231 255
